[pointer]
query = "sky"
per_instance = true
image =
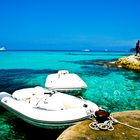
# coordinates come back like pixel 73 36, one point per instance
pixel 69 24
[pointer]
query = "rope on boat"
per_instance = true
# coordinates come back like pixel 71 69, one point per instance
pixel 108 124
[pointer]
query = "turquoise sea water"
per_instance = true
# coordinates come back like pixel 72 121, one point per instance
pixel 113 89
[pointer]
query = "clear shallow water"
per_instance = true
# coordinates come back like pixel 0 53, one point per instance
pixel 111 88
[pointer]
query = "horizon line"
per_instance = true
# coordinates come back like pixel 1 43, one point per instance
pixel 59 50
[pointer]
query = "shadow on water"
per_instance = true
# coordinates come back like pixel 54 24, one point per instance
pixel 91 62
pixel 32 132
pixel 98 70
pixel 13 79
pixel 96 67
pixel 14 128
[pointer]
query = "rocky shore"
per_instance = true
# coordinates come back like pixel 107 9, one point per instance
pixel 83 132
pixel 131 62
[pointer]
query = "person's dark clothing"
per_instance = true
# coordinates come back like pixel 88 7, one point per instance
pixel 137 47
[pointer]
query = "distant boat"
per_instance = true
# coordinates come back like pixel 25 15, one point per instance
pixel 86 50
pixel 2 49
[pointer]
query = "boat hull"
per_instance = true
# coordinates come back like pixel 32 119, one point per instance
pixel 71 91
pixel 43 124
pixel 41 117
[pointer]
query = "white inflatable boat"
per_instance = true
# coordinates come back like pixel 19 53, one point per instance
pixel 64 81
pixel 41 107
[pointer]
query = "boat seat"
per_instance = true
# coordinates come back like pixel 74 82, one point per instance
pixel 23 94
pixel 27 93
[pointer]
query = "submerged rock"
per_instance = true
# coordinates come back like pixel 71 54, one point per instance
pixel 131 62
pixel 83 132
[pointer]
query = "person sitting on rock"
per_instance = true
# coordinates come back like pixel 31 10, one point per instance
pixel 137 48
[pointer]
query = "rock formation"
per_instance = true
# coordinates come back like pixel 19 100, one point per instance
pixel 83 132
pixel 131 62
